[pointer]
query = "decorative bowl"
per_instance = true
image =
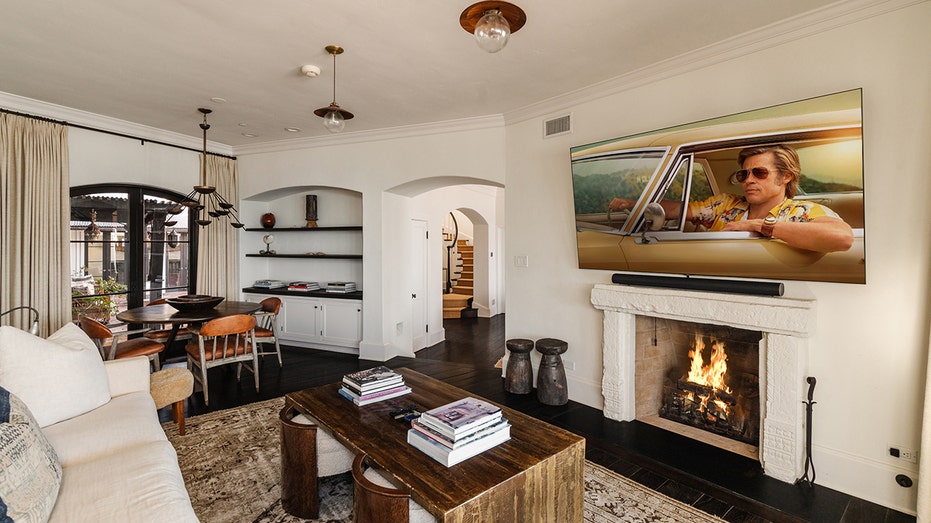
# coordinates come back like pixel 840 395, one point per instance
pixel 194 302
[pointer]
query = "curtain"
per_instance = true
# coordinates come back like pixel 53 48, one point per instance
pixel 218 243
pixel 924 465
pixel 34 219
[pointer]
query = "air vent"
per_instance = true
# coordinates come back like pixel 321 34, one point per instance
pixel 557 126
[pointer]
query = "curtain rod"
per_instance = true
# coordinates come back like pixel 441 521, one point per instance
pixel 112 133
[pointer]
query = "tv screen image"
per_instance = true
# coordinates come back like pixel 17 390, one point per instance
pixel 679 200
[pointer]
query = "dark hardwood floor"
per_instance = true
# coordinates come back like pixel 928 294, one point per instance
pixel 716 481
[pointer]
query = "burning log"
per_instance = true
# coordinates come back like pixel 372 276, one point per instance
pixel 704 390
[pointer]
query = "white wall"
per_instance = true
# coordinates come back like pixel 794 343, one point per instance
pixel 869 351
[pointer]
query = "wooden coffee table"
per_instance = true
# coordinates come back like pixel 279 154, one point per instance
pixel 536 476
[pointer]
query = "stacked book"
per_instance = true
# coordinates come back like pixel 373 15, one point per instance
pixel 341 287
pixel 304 286
pixel 459 430
pixel 373 385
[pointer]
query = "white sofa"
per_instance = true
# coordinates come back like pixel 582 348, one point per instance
pixel 117 465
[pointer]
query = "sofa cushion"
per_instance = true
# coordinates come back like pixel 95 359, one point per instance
pixel 30 474
pixel 125 421
pixel 138 484
pixel 58 378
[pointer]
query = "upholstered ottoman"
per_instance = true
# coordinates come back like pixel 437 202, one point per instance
pixel 172 386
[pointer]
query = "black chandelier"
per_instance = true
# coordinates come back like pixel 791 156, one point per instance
pixel 204 202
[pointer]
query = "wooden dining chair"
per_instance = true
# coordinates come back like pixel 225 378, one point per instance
pixel 121 349
pixel 266 328
pixel 223 341
pixel 162 333
pixel 378 496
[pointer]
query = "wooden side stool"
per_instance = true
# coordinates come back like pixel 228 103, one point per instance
pixel 552 388
pixel 172 386
pixel 518 378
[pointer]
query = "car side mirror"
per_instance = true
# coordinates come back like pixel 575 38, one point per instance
pixel 654 217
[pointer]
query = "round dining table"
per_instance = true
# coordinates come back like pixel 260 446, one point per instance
pixel 166 314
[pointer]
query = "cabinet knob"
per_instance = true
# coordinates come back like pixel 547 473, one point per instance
pixel 413 296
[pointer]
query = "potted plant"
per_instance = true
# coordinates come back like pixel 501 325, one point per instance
pixel 102 304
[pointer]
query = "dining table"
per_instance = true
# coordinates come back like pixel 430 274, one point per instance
pixel 165 314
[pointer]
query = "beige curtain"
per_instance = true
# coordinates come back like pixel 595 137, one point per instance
pixel 924 467
pixel 218 243
pixel 34 219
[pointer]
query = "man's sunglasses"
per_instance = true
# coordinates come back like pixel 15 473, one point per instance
pixel 760 173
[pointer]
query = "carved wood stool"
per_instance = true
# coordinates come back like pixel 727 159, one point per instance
pixel 518 378
pixel 552 388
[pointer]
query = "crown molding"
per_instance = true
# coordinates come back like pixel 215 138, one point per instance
pixel 377 135
pixel 73 116
pixel 839 14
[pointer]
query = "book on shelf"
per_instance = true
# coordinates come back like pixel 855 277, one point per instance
pixel 269 284
pixel 450 457
pixel 374 397
pixel 461 416
pixel 463 440
pixel 341 286
pixel 368 377
pixel 303 286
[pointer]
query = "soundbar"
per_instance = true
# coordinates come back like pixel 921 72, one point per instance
pixel 756 288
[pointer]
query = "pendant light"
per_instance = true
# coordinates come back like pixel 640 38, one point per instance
pixel 204 202
pixel 492 23
pixel 334 116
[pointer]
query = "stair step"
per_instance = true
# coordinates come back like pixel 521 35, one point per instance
pixel 462 290
pixel 457 300
pixel 465 282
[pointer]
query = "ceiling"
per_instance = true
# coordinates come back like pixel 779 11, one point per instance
pixel 406 62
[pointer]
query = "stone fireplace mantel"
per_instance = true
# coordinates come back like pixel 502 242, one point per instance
pixel 786 324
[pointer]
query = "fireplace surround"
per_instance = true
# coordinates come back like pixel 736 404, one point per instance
pixel 785 323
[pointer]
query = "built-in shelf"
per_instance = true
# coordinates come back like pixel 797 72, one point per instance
pixel 306 229
pixel 331 256
pixel 321 293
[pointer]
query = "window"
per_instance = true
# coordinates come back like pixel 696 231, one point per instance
pixel 124 253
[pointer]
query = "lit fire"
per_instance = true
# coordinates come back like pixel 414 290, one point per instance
pixel 711 375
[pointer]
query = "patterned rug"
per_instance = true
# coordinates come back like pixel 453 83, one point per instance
pixel 230 462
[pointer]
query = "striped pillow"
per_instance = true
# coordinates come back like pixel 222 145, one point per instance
pixel 30 473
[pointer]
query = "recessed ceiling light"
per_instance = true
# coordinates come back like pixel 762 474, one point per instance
pixel 217 99
pixel 249 135
pixel 243 124
pixel 292 129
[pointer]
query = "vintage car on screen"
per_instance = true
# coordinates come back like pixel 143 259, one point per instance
pixel 692 163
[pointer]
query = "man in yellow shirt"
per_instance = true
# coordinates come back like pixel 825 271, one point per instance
pixel 769 178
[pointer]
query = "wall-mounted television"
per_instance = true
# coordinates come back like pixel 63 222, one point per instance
pixel 774 193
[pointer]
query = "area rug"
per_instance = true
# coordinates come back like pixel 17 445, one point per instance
pixel 230 462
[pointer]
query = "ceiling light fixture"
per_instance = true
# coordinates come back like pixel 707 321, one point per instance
pixel 204 200
pixel 334 117
pixel 492 23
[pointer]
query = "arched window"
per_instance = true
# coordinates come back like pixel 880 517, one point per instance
pixel 125 251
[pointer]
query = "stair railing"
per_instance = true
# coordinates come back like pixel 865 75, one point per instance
pixel 449 255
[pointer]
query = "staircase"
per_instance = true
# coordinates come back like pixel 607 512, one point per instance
pixel 460 296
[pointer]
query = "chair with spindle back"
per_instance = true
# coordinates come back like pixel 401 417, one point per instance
pixel 223 341
pixel 121 349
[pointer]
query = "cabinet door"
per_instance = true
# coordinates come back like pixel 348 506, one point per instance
pixel 342 322
pixel 302 319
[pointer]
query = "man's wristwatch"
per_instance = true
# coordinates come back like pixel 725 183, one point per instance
pixel 769 223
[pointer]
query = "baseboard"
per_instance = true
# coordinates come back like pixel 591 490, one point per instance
pixel 867 479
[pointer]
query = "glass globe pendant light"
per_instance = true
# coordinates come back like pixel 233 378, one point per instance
pixel 492 31
pixel 334 116
pixel 491 22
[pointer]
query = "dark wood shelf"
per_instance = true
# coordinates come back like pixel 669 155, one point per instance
pixel 331 256
pixel 306 229
pixel 321 293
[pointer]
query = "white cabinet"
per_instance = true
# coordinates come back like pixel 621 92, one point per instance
pixel 313 321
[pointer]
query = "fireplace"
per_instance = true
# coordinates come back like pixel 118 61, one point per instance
pixel 781 325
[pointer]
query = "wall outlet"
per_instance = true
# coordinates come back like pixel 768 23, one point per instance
pixel 568 365
pixel 899 452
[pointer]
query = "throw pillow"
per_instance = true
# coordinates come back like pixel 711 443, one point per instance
pixel 30 474
pixel 58 378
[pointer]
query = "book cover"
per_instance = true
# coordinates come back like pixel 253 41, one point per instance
pixel 450 457
pixel 454 435
pixel 462 414
pixel 462 440
pixel 374 374
pixel 378 394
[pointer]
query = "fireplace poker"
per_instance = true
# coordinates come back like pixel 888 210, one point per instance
pixel 805 479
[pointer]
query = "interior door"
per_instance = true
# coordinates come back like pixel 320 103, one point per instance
pixel 418 267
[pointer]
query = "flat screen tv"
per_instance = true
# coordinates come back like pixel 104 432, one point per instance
pixel 679 200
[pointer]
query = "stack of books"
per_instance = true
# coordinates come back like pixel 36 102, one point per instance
pixel 459 430
pixel 373 385
pixel 341 287
pixel 305 286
